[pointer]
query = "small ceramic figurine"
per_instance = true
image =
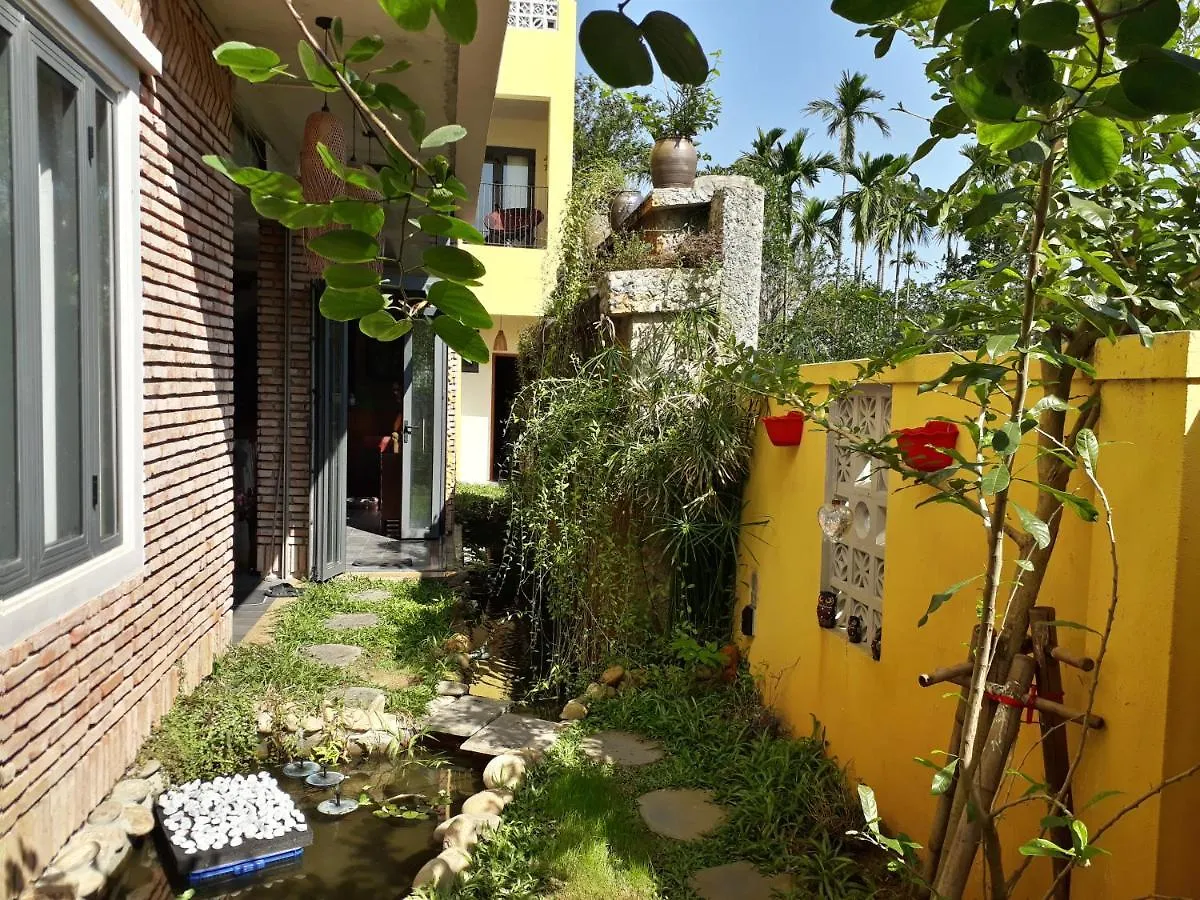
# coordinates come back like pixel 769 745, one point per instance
pixel 854 630
pixel 827 609
pixel 877 645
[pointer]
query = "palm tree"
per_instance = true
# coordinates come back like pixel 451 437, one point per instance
pixel 788 168
pixel 867 203
pixel 848 109
pixel 910 260
pixel 816 225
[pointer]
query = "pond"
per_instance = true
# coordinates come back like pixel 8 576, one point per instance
pixel 352 856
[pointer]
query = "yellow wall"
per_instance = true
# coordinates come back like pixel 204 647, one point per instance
pixel 878 718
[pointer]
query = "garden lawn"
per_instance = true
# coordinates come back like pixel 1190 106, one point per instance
pixel 213 730
pixel 574 831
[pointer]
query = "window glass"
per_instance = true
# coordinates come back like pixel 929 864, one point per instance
pixel 106 319
pixel 9 532
pixel 61 369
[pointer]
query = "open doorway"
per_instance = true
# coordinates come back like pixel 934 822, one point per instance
pixel 505 385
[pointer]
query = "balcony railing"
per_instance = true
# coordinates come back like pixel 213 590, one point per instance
pixel 540 15
pixel 512 215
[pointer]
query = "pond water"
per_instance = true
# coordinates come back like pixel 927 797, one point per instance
pixel 352 856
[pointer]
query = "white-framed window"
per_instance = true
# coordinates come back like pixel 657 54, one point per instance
pixel 540 15
pixel 70 352
pixel 853 565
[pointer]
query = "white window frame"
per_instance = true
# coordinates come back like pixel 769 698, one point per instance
pixel 99 38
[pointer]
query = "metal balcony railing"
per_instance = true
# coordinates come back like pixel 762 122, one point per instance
pixel 512 215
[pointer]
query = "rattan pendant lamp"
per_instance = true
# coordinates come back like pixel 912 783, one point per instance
pixel 317 182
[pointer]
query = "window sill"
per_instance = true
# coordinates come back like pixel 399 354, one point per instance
pixel 42 604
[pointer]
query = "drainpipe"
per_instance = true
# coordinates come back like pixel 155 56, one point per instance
pixel 287 400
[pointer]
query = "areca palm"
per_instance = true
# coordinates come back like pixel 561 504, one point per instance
pixel 844 113
pixel 788 168
pixel 815 225
pixel 867 203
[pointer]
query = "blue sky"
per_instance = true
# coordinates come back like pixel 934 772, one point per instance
pixel 779 54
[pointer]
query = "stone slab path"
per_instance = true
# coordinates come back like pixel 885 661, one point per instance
pixel 338 655
pixel 510 733
pixel 371 595
pixel 620 748
pixel 351 621
pixel 738 881
pixel 685 815
pixel 465 716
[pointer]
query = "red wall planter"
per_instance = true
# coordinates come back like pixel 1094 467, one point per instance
pixel 917 445
pixel 785 431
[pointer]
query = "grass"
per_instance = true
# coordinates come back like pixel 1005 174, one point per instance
pixel 213 730
pixel 573 833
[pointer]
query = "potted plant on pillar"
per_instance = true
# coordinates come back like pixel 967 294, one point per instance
pixel 686 111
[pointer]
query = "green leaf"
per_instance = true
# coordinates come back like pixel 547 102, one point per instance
pixel 459 18
pixel 999 345
pixel 1051 26
pixel 1161 85
pixel 1149 27
pixel 383 327
pixel 1087 448
pixel 459 303
pixel 411 15
pixel 995 480
pixel 1030 75
pixel 400 65
pixel 1078 505
pixel 885 44
pixel 1079 835
pixel 464 341
pixel 315 70
pixel 400 104
pixel 364 49
pixel 870 809
pixel 358 177
pixel 926 148
pixel 343 306
pixel 981 101
pixel 238 54
pixel 612 45
pixel 274 184
pixel 272 207
pixel 452 263
pixel 676 48
pixel 257 76
pixel 440 137
pixel 1034 527
pixel 1024 565
pixel 1074 626
pixel 361 215
pixel 989 37
pixel 868 12
pixel 943 778
pixel 1006 440
pixel 339 31
pixel 346 277
pixel 308 215
pixel 1009 135
pixel 1094 149
pixel 957 13
pixel 346 246
pixel 1043 847
pixel 937 600
pixel 450 227
pixel 1111 102
pixel 456 188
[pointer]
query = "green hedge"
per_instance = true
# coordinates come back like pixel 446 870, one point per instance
pixel 483 511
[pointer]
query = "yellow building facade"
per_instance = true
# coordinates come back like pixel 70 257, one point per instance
pixel 877 717
pixel 526 178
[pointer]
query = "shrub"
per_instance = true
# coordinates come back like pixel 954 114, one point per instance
pixel 483 511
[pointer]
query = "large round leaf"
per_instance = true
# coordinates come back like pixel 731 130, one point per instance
pixel 613 47
pixel 411 15
pixel 868 12
pixel 346 246
pixel 957 13
pixel 1030 74
pixel 1009 135
pixel 450 227
pixel 364 49
pixel 1110 101
pixel 1094 149
pixel 1051 26
pixel 318 74
pixel 464 341
pixel 459 302
pixel 452 264
pixel 459 18
pixel 361 215
pixel 274 184
pixel 343 306
pixel 1161 85
pixel 981 101
pixel 676 48
pixel 989 37
pixel 382 327
pixel 350 278
pixel 440 137
pixel 238 54
pixel 1147 27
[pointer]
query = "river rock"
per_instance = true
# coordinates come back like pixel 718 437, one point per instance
pixel 574 711
pixel 442 872
pixel 487 803
pixel 505 771
pixel 597 691
pixel 131 790
pixel 265 723
pixel 612 676
pixel 368 698
pixel 457 643
pixel 460 833
pixel 106 813
pixel 72 856
pixel 452 689
pixel 312 724
pixel 137 820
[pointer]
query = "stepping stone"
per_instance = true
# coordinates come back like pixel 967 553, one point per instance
pixel 465 716
pixel 620 748
pixel 738 881
pixel 452 689
pixel 510 733
pixel 368 698
pixel 679 814
pixel 337 655
pixel 350 621
pixel 393 679
pixel 130 790
pixel 372 595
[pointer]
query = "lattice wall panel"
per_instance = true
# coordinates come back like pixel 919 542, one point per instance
pixel 540 15
pixel 854 566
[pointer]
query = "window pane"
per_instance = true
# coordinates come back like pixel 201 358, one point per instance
pixel 106 322
pixel 58 233
pixel 9 542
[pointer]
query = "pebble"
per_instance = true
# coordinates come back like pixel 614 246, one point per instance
pixel 211 815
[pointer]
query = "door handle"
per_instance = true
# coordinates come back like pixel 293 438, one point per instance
pixel 407 429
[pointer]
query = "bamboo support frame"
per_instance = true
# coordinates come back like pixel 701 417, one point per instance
pixel 1041 704
pixel 1056 755
pixel 947 673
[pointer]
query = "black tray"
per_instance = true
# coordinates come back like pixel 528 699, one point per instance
pixel 187 865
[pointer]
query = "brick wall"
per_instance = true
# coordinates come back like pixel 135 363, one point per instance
pixel 78 697
pixel 272 239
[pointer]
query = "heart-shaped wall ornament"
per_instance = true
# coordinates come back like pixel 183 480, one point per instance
pixel 834 519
